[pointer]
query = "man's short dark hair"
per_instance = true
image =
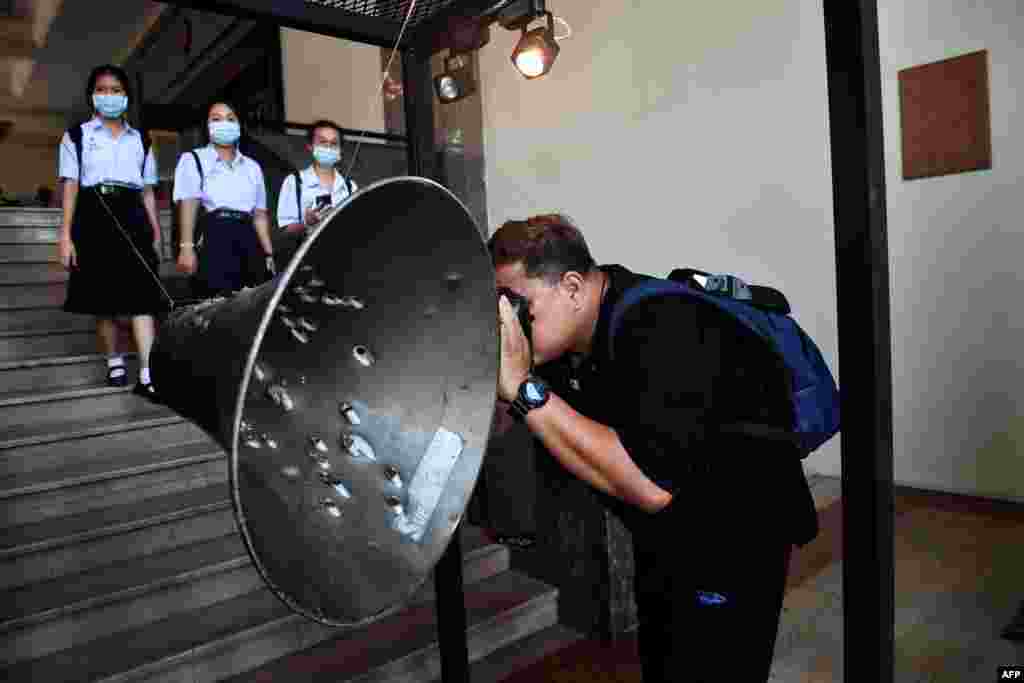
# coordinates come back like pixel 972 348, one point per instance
pixel 323 123
pixel 548 246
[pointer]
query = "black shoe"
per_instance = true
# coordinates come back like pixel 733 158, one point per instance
pixel 117 380
pixel 147 391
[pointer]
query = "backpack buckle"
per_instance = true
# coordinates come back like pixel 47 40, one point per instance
pixel 728 285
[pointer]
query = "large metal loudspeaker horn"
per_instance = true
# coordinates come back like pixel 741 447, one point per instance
pixel 354 393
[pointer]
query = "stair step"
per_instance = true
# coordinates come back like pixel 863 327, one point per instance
pixel 27 273
pixel 29 319
pixel 25 216
pixel 520 654
pixel 123 439
pixel 139 415
pixel 403 648
pixel 29 235
pixel 44 409
pixel 44 343
pixel 72 529
pixel 32 296
pixel 29 253
pixel 223 639
pixel 142 542
pixel 58 372
pixel 75 543
pixel 54 615
pixel 85 485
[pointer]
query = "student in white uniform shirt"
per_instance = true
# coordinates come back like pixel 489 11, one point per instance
pixel 320 186
pixel 110 224
pixel 234 230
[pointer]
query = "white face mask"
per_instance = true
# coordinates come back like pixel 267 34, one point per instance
pixel 225 132
pixel 110 106
pixel 326 156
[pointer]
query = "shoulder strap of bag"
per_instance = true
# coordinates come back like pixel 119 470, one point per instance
pixel 298 194
pixel 75 133
pixel 199 167
pixel 147 142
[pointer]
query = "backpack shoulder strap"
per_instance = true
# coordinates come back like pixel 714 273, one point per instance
pixel 298 193
pixel 348 185
pixel 643 290
pixel 199 167
pixel 75 133
pixel 147 143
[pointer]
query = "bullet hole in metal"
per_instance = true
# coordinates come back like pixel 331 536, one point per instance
pixel 357 446
pixel 363 355
pixel 453 279
pixel 353 302
pixel 279 395
pixel 330 507
pixel 349 413
pixel 336 484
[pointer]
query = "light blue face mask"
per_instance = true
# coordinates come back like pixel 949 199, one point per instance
pixel 326 156
pixel 225 132
pixel 110 106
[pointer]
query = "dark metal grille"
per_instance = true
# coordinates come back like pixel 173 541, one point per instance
pixel 389 10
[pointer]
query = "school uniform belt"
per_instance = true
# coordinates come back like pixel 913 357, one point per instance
pixel 111 189
pixel 232 215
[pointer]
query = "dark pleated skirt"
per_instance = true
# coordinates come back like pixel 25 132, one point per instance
pixel 231 257
pixel 117 272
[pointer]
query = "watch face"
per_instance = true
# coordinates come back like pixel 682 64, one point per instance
pixel 533 392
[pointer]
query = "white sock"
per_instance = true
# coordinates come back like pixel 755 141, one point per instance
pixel 144 375
pixel 115 360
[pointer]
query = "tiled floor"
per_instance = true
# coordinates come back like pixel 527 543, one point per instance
pixel 959 581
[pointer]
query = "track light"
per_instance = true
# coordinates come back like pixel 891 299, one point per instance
pixel 536 50
pixel 456 81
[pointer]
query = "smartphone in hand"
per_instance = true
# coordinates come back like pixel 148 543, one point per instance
pixel 323 202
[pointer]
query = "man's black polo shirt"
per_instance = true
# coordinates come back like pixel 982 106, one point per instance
pixel 680 368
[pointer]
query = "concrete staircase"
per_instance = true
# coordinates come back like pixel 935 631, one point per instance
pixel 120 559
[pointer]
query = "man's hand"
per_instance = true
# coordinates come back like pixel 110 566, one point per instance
pixel 312 217
pixel 515 352
pixel 186 261
pixel 66 249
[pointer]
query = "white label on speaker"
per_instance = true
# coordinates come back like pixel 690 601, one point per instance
pixel 428 483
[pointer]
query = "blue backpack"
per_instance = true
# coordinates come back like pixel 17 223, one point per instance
pixel 765 311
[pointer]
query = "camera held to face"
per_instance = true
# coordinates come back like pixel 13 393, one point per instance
pixel 522 308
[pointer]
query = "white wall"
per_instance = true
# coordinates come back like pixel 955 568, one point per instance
pixel 679 135
pixel 682 134
pixel 328 78
pixel 955 246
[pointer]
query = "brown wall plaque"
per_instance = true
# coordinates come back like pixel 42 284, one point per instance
pixel 944 116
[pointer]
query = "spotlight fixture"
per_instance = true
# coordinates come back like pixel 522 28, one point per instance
pixel 456 81
pixel 536 50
